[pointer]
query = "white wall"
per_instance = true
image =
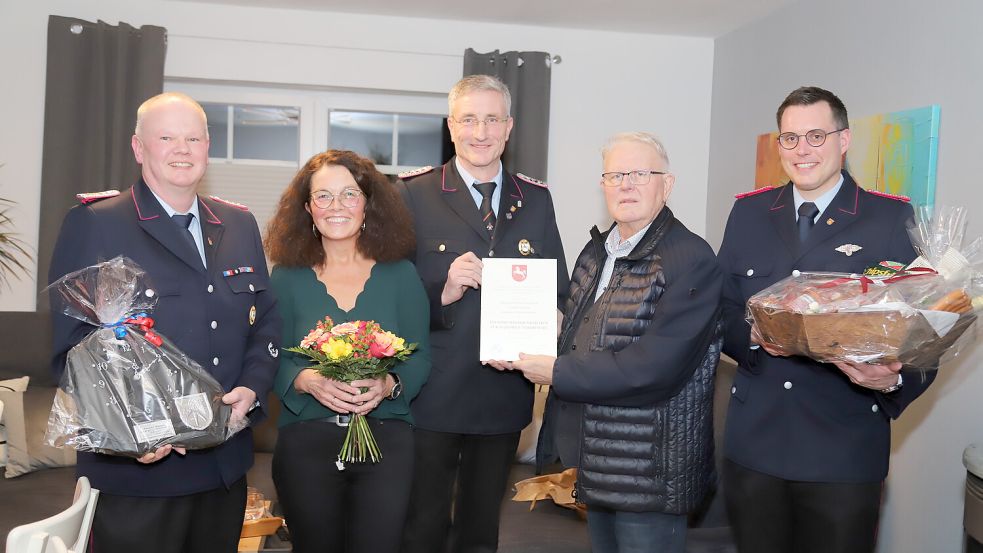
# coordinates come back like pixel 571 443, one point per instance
pixel 878 56
pixel 608 82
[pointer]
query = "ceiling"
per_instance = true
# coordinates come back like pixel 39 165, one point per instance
pixel 705 18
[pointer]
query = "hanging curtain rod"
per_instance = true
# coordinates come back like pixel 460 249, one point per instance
pixel 554 59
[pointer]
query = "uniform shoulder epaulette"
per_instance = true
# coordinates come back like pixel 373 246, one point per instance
pixel 231 203
pixel 892 196
pixel 531 180
pixel 415 172
pixel 89 197
pixel 753 192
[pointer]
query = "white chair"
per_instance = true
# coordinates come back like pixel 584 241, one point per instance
pixel 53 533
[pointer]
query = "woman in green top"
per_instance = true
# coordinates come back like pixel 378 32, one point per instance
pixel 339 240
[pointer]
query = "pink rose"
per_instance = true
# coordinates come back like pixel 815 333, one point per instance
pixel 383 345
pixel 344 329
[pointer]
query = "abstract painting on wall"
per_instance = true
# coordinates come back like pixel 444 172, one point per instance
pixel 895 153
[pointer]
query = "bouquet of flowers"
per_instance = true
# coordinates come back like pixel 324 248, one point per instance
pixel 352 351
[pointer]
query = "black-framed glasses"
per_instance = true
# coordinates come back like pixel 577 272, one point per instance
pixel 348 197
pixel 490 122
pixel 640 176
pixel 814 138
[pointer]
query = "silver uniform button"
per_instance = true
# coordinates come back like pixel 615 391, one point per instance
pixel 215 361
pixel 750 272
pixel 491 253
pixel 211 288
pixel 149 293
pixel 875 408
pixel 796 273
pixel 441 248
pixel 252 288
pixel 788 385
pixel 214 325
pixel 733 390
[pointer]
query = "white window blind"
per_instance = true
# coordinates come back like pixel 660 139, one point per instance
pixel 256 186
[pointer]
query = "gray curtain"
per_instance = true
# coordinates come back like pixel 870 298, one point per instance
pixel 527 75
pixel 97 76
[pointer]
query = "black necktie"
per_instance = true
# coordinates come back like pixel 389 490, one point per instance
pixel 807 218
pixel 487 214
pixel 184 221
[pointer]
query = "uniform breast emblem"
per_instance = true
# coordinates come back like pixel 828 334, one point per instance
pixel 252 315
pixel 525 248
pixel 849 249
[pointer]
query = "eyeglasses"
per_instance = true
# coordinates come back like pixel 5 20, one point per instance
pixel 814 138
pixel 348 197
pixel 641 176
pixel 490 122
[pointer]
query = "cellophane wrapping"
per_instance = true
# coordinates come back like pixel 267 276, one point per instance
pixel 126 389
pixel 921 316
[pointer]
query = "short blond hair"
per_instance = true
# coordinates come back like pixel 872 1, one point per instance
pixel 474 83
pixel 168 97
pixel 641 137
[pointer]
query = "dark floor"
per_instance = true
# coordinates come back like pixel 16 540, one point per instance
pixel 546 529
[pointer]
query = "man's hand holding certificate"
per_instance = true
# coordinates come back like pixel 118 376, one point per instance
pixel 518 308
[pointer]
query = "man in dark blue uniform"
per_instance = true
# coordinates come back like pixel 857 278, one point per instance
pixel 210 277
pixel 807 443
pixel 469 416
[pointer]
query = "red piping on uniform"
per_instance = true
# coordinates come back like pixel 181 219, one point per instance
pixel 213 218
pixel 517 187
pixel 856 201
pixel 776 207
pixel 443 188
pixel 136 205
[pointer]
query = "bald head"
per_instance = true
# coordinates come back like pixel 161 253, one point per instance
pixel 164 99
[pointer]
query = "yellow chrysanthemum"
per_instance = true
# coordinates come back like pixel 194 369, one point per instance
pixel 336 349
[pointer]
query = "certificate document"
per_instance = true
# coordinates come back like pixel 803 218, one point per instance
pixel 518 308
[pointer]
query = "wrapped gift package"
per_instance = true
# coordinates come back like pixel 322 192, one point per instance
pixel 126 389
pixel 913 317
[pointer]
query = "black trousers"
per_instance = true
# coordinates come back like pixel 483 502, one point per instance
pixel 773 515
pixel 206 522
pixel 477 467
pixel 360 509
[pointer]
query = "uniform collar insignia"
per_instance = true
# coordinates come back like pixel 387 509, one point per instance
pixel 849 249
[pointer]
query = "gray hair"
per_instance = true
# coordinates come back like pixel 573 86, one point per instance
pixel 474 83
pixel 168 97
pixel 645 138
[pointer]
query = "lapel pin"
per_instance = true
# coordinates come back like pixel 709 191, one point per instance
pixel 209 240
pixel 849 249
pixel 518 203
pixel 830 221
pixel 508 216
pixel 512 209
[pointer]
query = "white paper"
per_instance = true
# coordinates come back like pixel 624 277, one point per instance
pixel 154 430
pixel 518 308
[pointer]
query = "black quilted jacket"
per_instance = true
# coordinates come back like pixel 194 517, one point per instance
pixel 647 380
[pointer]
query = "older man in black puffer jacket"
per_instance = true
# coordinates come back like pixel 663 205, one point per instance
pixel 631 402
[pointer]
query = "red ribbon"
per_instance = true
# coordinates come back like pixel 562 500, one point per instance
pixel 146 324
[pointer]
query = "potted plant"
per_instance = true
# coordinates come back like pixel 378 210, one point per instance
pixel 13 250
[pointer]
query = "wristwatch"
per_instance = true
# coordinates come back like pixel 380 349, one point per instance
pixel 397 386
pixel 895 387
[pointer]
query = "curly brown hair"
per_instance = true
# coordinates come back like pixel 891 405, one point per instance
pixel 388 234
